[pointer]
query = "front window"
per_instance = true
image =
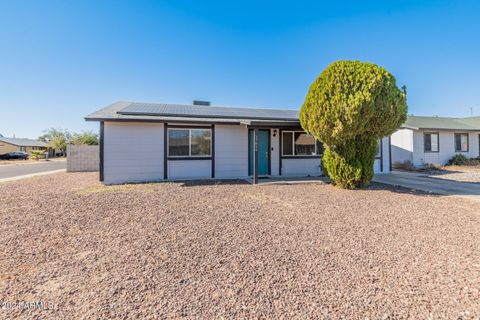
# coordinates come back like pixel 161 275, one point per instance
pixel 189 142
pixel 431 142
pixel 298 143
pixel 461 142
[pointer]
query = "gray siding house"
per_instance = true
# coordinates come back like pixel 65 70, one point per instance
pixel 435 140
pixel 153 142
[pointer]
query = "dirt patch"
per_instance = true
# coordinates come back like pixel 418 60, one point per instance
pixel 232 250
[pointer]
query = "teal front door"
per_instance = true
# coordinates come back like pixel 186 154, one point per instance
pixel 263 152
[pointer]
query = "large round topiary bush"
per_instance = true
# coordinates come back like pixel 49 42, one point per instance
pixel 349 107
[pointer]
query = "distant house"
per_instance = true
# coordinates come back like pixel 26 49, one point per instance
pixel 435 140
pixel 152 142
pixel 19 144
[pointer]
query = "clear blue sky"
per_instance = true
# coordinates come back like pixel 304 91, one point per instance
pixel 60 60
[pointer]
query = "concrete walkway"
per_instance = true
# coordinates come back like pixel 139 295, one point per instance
pixel 420 181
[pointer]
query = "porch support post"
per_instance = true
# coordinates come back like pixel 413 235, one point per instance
pixel 102 149
pixel 255 156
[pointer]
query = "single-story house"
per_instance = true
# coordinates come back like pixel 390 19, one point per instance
pixel 152 142
pixel 435 140
pixel 20 144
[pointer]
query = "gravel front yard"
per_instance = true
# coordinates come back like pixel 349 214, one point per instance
pixel 235 251
pixel 461 174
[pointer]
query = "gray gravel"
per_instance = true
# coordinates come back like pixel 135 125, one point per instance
pixel 235 251
pixel 456 173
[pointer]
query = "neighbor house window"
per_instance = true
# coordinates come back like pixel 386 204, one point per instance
pixel 431 142
pixel 298 143
pixel 461 142
pixel 189 142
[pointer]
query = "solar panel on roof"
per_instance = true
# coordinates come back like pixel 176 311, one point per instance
pixel 207 111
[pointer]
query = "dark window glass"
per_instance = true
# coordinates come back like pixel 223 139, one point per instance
pixel 304 144
pixel 319 148
pixel 287 143
pixel 461 142
pixel 201 142
pixel 178 141
pixel 431 142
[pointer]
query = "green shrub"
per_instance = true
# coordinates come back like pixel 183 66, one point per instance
pixel 349 107
pixel 458 160
pixel 461 160
pixel 37 154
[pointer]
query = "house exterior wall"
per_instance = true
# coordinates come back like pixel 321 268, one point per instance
pixel 301 167
pixel 189 169
pixel 7 147
pixel 402 146
pixel 275 151
pixel 231 151
pixel 446 147
pixel 133 152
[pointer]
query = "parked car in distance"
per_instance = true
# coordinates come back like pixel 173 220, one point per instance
pixel 15 155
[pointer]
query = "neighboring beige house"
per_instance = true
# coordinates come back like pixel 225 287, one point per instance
pixel 19 144
pixel 435 140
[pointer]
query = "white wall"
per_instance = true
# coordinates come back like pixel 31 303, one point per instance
pixel 402 146
pixel 189 169
pixel 301 167
pixel 133 152
pixel 446 147
pixel 231 151
pixel 275 151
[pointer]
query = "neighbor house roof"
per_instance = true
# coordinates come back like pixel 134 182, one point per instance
pixel 130 111
pixel 21 142
pixel 442 123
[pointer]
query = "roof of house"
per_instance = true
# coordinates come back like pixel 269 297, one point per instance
pixel 134 111
pixel 442 123
pixel 191 113
pixel 22 142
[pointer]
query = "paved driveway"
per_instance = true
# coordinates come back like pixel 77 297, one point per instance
pixel 9 172
pixel 419 181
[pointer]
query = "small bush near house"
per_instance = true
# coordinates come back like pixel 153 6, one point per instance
pixel 37 154
pixel 458 160
pixel 461 160
pixel 349 107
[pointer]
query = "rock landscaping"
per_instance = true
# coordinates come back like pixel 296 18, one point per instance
pixel 232 250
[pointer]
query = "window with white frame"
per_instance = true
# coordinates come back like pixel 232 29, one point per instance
pixel 189 142
pixel 298 143
pixel 461 142
pixel 431 142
